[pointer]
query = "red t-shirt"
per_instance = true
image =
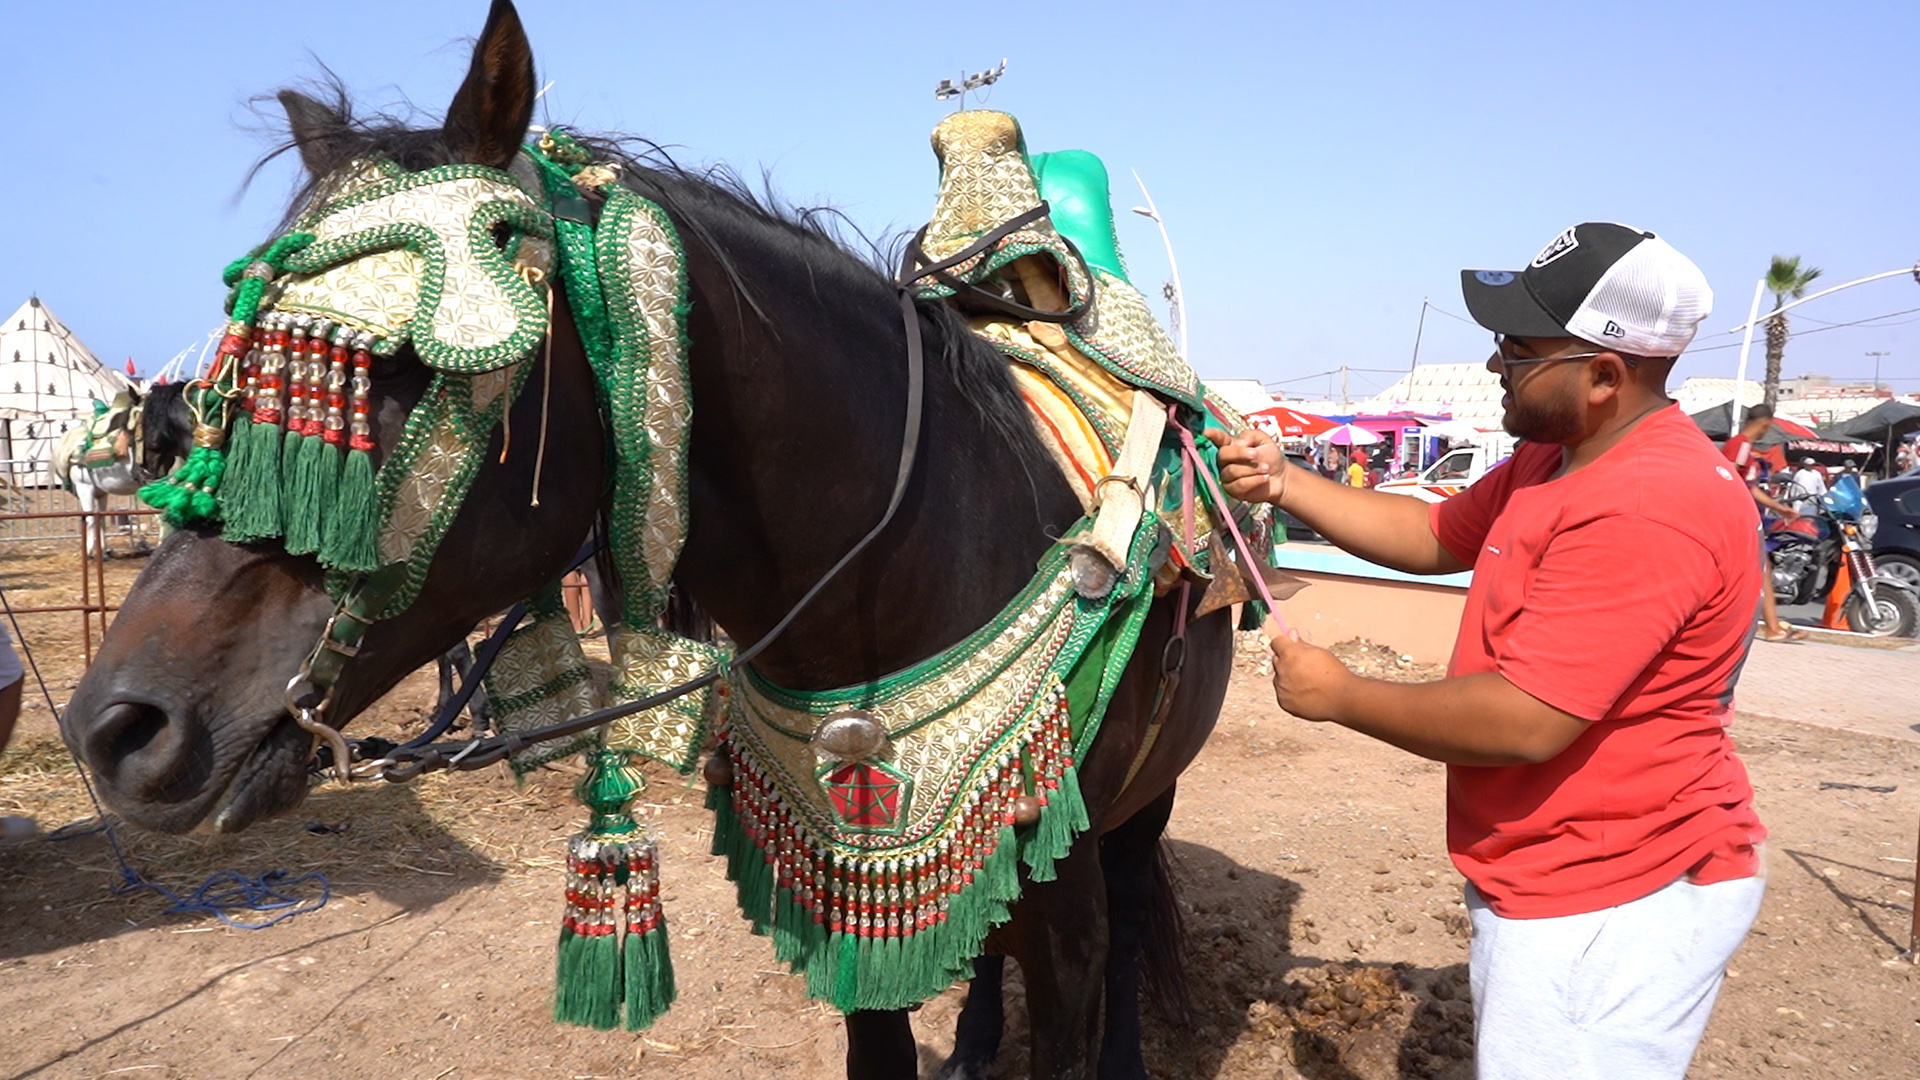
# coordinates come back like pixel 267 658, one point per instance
pixel 1739 450
pixel 1624 594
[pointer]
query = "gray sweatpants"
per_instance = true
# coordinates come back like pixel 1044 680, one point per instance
pixel 1617 994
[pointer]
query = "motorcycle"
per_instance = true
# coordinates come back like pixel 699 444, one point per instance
pixel 1809 552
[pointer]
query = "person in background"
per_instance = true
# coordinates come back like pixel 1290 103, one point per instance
pixel 1357 469
pixel 1739 451
pixel 1808 486
pixel 1595 802
pixel 12 680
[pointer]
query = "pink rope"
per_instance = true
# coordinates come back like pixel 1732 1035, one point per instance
pixel 1197 466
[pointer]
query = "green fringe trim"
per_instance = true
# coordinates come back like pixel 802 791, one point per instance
pixel 649 977
pixel 588 982
pixel 855 972
pixel 352 531
pixel 251 506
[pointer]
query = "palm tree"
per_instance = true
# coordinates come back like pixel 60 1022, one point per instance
pixel 1786 280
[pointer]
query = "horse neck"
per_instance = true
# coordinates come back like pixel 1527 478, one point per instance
pixel 797 431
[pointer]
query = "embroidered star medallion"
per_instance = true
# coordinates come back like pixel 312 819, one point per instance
pixel 867 795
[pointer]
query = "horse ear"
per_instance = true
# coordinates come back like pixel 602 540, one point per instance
pixel 488 119
pixel 316 131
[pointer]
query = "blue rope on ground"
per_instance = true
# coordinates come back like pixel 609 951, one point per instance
pixel 224 891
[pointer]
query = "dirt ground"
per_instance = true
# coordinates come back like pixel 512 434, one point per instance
pixel 1328 938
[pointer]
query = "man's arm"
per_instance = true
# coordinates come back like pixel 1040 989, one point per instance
pixel 1469 720
pixel 1392 530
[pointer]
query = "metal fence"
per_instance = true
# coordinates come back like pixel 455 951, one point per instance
pixel 37 508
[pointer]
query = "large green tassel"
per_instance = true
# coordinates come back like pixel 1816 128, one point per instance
pixel 596 973
pixel 352 533
pixel 251 501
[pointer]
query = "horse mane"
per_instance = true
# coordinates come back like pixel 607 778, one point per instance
pixel 700 201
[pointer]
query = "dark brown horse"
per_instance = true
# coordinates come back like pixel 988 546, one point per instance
pixel 799 386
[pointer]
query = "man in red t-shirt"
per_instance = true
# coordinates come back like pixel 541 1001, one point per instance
pixel 1594 801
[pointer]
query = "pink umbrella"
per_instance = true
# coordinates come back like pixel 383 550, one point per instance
pixel 1347 435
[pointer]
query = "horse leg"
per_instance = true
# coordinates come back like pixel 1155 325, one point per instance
pixel 976 1037
pixel 1129 856
pixel 880 1046
pixel 89 500
pixel 1061 943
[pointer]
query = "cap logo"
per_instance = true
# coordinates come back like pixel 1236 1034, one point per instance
pixel 1613 330
pixel 1493 277
pixel 1562 244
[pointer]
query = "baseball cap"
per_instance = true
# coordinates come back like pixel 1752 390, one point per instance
pixel 1610 284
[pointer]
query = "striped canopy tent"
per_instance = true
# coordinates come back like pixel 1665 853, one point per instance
pixel 49 382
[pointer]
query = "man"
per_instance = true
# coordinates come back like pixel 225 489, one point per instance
pixel 1808 486
pixel 1739 450
pixel 1594 801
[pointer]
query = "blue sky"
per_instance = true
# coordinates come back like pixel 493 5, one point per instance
pixel 1322 169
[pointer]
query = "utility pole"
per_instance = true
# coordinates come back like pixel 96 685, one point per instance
pixel 1877 354
pixel 1417 331
pixel 1346 403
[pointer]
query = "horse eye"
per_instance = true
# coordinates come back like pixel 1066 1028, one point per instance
pixel 502 234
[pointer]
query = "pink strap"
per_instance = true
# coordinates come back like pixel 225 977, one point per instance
pixel 1197 465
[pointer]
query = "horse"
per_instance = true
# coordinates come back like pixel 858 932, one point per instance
pixel 797 371
pixel 151 433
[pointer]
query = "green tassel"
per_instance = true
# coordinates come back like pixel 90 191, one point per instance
pixel 251 502
pixel 846 971
pixel 296 506
pixel 310 484
pixel 1064 818
pixel 352 531
pixel 587 982
pixel 191 495
pixel 649 977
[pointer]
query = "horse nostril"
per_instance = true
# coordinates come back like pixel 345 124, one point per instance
pixel 127 728
pixel 135 745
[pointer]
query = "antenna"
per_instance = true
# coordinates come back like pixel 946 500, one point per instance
pixel 948 89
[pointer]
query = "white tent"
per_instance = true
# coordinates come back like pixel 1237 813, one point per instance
pixel 49 381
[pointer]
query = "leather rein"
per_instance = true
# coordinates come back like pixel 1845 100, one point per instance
pixel 311 691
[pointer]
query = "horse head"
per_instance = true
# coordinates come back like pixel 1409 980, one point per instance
pixel 418 288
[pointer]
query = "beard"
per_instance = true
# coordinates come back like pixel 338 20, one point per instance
pixel 1546 419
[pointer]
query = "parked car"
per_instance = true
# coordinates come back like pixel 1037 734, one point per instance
pixel 1896 531
pixel 1455 470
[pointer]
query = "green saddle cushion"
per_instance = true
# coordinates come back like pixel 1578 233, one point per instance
pixel 1074 183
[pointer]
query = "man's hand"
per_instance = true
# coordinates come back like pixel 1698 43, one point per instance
pixel 1308 681
pixel 1251 465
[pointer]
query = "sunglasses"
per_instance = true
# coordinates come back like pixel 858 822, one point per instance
pixel 1509 361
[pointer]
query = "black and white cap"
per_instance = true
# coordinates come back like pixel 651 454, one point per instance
pixel 1618 287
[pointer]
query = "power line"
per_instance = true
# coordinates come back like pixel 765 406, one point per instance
pixel 1830 326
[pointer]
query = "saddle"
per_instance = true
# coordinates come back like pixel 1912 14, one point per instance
pixel 1053 295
